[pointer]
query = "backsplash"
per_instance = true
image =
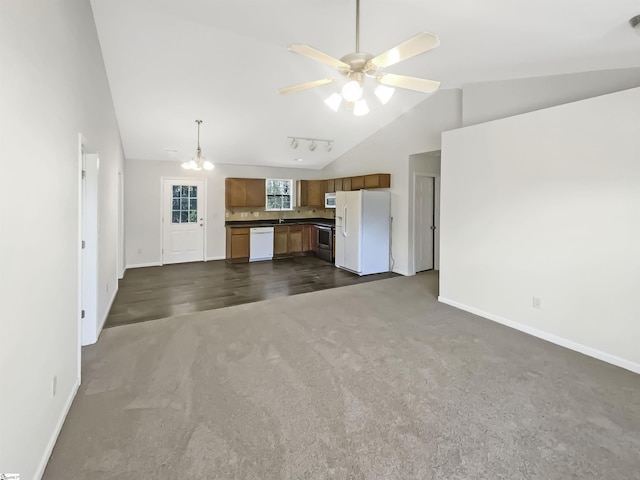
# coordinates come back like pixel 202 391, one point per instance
pixel 258 214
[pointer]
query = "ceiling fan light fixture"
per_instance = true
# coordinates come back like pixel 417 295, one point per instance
pixel 352 91
pixel 333 101
pixel 384 93
pixel 360 108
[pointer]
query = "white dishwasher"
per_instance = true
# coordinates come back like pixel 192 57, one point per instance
pixel 261 244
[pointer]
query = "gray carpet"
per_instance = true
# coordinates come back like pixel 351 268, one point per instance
pixel 369 381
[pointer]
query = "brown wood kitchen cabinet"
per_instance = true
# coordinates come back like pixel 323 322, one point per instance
pixel 244 192
pixel 311 193
pixel 295 238
pixel 280 240
pixel 307 238
pixel 237 244
pixel 357 183
pixel 377 180
pixel 331 185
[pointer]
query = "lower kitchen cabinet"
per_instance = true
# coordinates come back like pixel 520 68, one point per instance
pixel 295 238
pixel 237 244
pixel 280 240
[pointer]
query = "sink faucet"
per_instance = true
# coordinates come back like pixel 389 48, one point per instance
pixel 281 220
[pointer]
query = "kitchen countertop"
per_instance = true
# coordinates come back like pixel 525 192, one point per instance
pixel 325 222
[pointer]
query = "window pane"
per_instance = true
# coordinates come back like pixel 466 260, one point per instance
pixel 176 204
pixel 193 204
pixel 176 190
pixel 185 191
pixel 175 216
pixel 184 216
pixel 286 202
pixel 279 194
pixel 193 191
pixel 193 216
pixel 184 204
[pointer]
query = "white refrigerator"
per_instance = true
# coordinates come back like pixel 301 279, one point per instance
pixel 363 220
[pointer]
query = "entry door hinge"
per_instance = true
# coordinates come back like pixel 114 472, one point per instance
pixel 83 244
pixel 82 314
pixel 84 173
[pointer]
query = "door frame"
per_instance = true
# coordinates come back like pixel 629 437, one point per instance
pixel 88 162
pixel 204 212
pixel 436 219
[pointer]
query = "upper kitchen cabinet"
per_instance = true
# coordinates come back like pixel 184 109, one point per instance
pixel 244 192
pixel 311 193
pixel 377 180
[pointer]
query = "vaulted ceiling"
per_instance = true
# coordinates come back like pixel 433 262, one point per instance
pixel 170 62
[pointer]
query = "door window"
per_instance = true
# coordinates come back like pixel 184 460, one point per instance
pixel 184 206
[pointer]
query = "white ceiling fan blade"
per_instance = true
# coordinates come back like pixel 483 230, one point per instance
pixel 304 86
pixel 314 54
pixel 421 43
pixel 410 83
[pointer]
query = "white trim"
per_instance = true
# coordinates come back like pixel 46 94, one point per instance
pixel 549 337
pixel 436 218
pixel 142 265
pixel 81 141
pixel 54 437
pixel 210 259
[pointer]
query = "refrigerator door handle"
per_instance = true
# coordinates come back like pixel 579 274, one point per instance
pixel 344 221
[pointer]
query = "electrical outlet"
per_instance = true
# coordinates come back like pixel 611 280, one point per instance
pixel 537 303
pixel 54 386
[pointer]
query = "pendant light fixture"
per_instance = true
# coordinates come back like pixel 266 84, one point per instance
pixel 198 162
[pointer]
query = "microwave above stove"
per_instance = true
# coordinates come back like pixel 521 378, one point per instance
pixel 329 200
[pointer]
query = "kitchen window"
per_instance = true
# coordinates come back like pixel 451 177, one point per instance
pixel 279 194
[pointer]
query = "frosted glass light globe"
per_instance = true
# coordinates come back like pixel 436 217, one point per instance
pixel 352 91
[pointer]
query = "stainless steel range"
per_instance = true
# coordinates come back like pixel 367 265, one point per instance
pixel 325 243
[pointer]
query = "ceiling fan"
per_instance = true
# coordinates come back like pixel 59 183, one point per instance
pixel 356 66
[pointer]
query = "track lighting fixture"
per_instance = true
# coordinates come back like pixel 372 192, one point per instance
pixel 313 142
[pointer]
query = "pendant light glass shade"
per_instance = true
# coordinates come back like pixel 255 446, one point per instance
pixel 198 162
pixel 384 93
pixel 352 91
pixel 334 101
pixel 360 108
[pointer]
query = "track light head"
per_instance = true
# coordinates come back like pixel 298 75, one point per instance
pixel 313 145
pixel 294 143
pixel 329 146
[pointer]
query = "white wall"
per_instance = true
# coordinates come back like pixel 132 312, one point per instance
pixel 53 87
pixel 486 101
pixel 388 151
pixel 143 200
pixel 547 204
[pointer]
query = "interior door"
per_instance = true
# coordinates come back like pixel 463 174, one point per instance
pixel 183 221
pixel 424 220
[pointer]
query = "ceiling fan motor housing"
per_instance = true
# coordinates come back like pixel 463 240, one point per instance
pixel 358 63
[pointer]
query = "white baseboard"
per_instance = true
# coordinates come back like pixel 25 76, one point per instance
pixel 549 337
pixel 142 265
pixel 210 259
pixel 56 432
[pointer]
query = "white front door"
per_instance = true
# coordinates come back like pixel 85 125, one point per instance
pixel 424 222
pixel 183 215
